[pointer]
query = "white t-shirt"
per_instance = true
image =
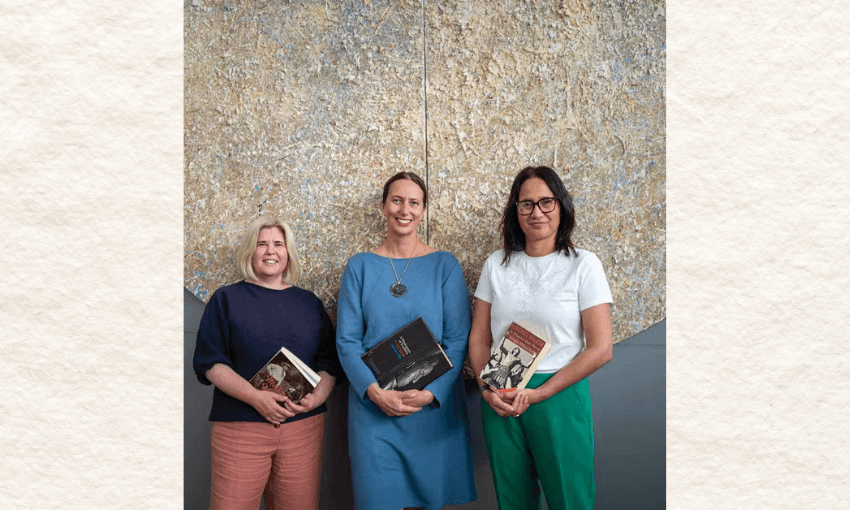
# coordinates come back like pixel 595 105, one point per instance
pixel 549 291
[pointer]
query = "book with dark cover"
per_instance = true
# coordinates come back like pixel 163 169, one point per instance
pixel 408 359
pixel 286 375
pixel 514 358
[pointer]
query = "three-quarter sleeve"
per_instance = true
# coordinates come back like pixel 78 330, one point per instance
pixel 456 324
pixel 350 328
pixel 326 357
pixel 213 341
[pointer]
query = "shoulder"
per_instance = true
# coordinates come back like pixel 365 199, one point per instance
pixel 586 258
pixel 588 267
pixel 360 260
pixel 304 296
pixel 226 291
pixel 495 258
pixel 443 260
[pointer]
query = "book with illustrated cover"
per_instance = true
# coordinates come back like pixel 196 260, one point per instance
pixel 286 375
pixel 514 358
pixel 408 359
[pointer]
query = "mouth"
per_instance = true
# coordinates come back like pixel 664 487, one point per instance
pixel 404 221
pixel 269 261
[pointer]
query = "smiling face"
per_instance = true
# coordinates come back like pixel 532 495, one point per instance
pixel 403 207
pixel 539 228
pixel 270 257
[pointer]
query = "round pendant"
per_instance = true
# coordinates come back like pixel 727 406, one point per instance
pixel 398 290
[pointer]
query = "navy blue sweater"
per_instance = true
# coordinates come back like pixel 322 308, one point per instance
pixel 244 325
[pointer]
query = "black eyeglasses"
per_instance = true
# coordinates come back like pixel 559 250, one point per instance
pixel 547 205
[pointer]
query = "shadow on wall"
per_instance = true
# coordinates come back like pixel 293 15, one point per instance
pixel 629 406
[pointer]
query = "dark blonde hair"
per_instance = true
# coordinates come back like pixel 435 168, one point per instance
pixel 245 250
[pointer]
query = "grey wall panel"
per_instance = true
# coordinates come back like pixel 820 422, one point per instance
pixel 629 426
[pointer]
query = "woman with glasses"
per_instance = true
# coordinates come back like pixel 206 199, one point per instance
pixel 408 448
pixel 542 433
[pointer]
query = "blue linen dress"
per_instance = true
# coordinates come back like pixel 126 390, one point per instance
pixel 424 459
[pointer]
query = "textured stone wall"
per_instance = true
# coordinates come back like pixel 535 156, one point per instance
pixel 303 109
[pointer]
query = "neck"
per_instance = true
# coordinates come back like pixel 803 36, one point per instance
pixel 272 283
pixel 539 249
pixel 400 247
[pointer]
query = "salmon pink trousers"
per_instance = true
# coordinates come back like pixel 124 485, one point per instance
pixel 255 460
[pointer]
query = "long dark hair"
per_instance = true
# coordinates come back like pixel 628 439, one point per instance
pixel 513 238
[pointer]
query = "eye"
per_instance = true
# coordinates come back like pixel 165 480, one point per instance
pixel 547 201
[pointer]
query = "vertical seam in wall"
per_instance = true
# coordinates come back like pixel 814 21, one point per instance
pixel 425 87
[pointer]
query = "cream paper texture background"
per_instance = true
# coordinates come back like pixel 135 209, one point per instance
pixel 91 301
pixel 91 215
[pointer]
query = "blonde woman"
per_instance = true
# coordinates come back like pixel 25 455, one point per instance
pixel 263 443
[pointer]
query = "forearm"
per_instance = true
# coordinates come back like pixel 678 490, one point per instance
pixel 227 380
pixel 586 363
pixel 325 386
pixel 480 338
pixel 479 354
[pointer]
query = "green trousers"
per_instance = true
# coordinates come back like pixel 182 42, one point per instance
pixel 551 443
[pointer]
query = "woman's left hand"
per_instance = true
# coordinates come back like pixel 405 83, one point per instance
pixel 522 399
pixel 418 398
pixel 316 397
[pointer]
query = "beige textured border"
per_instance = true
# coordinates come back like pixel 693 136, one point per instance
pixel 91 194
pixel 90 198
pixel 758 372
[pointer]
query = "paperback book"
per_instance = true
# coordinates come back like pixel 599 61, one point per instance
pixel 514 358
pixel 286 375
pixel 408 359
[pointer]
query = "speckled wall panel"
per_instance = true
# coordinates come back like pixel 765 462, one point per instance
pixel 578 86
pixel 303 110
pixel 300 110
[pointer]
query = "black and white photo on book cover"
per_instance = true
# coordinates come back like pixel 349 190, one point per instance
pixel 286 375
pixel 514 358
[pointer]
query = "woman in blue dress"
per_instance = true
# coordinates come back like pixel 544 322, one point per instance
pixel 409 449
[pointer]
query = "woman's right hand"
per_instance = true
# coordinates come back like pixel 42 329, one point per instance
pixel 391 402
pixel 270 406
pixel 497 403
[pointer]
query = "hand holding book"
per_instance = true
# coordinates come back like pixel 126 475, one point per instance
pixel 393 402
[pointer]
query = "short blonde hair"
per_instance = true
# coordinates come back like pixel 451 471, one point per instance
pixel 245 250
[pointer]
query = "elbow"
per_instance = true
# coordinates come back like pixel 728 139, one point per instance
pixel 606 355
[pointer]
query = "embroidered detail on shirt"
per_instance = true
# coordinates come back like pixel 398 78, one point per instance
pixel 528 284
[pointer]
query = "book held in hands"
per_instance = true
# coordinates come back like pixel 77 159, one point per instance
pixel 408 359
pixel 285 374
pixel 514 358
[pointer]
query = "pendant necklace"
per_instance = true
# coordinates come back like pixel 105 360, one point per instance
pixel 398 289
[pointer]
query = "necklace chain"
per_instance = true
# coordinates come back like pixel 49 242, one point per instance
pixel 397 279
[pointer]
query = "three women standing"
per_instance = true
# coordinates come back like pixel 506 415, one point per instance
pixel 262 442
pixel 543 432
pixel 408 448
